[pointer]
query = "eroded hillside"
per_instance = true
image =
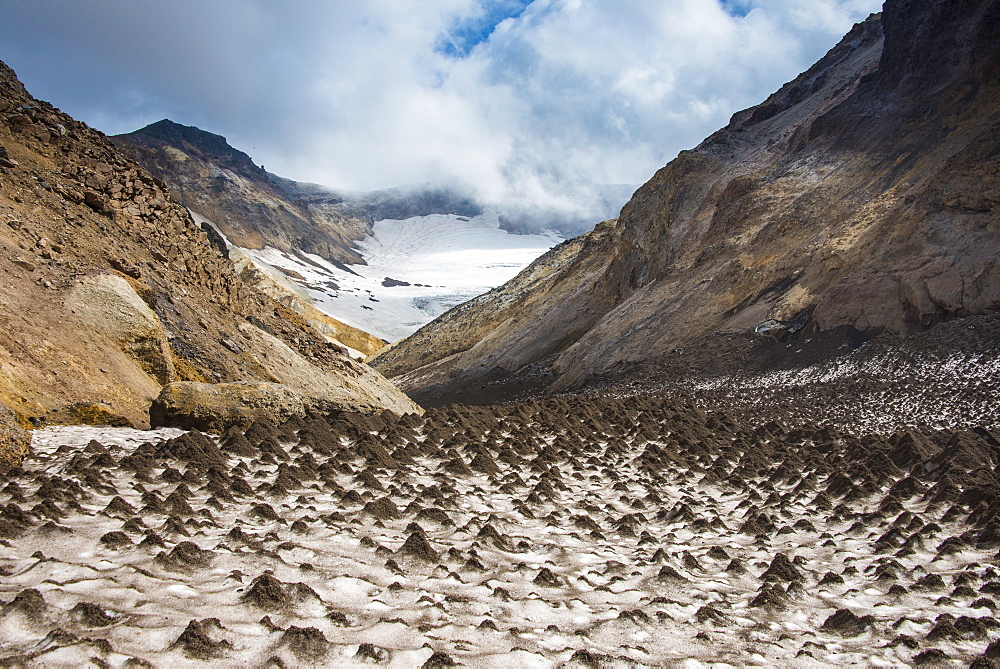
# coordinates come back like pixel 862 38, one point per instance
pixel 110 290
pixel 864 195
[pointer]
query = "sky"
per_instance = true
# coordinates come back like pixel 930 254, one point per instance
pixel 522 101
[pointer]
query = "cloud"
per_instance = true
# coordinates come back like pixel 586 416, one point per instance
pixel 527 101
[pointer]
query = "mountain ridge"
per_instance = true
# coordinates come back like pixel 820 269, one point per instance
pixel 254 208
pixel 222 183
pixel 844 198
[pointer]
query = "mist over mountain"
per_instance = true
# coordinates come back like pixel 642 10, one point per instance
pixel 252 205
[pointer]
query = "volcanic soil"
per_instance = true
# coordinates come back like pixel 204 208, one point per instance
pixel 588 532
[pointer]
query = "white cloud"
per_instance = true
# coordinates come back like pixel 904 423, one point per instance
pixel 361 96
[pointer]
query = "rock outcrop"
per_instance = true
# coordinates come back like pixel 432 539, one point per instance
pixel 299 388
pixel 109 289
pixel 14 439
pixel 216 407
pixel 864 194
pixel 109 307
pixel 291 294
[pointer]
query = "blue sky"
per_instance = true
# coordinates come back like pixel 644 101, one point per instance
pixel 467 31
pixel 738 7
pixel 523 101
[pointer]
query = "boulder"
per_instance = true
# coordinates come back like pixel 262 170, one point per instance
pixel 214 407
pixel 345 385
pixel 110 306
pixel 14 439
pixel 95 201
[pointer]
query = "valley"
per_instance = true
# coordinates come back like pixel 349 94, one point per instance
pixel 752 420
pixel 414 270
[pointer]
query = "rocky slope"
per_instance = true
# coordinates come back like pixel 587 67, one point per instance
pixel 288 290
pixel 224 185
pixel 254 208
pixel 110 290
pixel 864 195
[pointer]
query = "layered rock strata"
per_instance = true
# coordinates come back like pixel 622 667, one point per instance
pixel 864 194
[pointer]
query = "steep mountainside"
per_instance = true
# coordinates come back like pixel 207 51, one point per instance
pixel 863 197
pixel 254 208
pixel 110 290
pixel 224 185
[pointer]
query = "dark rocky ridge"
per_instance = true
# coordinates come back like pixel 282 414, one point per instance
pixel 222 183
pixel 254 208
pixel 863 194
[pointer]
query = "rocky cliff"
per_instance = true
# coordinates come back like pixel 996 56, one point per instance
pixel 862 195
pixel 249 206
pixel 110 290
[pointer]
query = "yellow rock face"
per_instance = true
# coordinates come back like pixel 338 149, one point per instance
pixel 109 306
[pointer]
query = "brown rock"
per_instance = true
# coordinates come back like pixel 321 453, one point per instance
pixel 417 546
pixel 14 439
pixel 217 407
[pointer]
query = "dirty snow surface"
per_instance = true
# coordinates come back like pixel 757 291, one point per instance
pixel 444 259
pixel 599 532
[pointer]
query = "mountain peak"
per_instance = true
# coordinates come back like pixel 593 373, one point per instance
pixel 193 140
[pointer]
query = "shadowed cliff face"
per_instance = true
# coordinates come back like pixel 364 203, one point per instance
pixel 863 194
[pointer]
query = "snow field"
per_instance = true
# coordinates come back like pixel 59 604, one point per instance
pixel 446 259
